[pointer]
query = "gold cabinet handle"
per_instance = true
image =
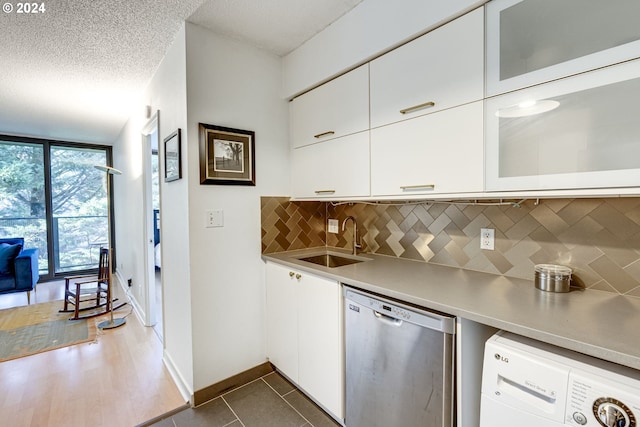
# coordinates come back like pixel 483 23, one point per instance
pixel 320 135
pixel 325 191
pixel 298 276
pixel 418 187
pixel 291 274
pixel 418 107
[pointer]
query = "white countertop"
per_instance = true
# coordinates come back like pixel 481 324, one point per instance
pixel 597 323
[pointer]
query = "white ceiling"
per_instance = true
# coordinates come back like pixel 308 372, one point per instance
pixel 74 71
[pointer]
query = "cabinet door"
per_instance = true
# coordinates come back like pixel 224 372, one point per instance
pixel 336 168
pixel 337 108
pixel 578 132
pixel 436 153
pixel 534 41
pixel 321 349
pixel 439 70
pixel 282 319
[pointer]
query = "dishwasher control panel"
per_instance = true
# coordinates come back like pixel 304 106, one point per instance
pixel 392 310
pixel 401 312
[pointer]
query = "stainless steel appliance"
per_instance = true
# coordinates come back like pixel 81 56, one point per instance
pixel 399 364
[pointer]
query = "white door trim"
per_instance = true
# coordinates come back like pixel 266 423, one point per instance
pixel 151 126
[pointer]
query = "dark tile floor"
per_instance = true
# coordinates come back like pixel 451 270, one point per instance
pixel 270 401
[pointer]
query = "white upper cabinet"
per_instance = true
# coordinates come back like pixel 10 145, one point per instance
pixel 332 169
pixel 337 108
pixel 433 154
pixel 579 132
pixel 535 41
pixel 439 70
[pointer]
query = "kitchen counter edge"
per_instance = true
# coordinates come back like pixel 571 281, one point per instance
pixel 597 323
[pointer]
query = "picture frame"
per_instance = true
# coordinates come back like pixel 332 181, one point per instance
pixel 227 156
pixel 173 157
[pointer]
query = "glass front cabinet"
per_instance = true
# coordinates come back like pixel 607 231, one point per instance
pixel 535 41
pixel 580 132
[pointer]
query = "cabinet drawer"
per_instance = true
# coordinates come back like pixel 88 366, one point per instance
pixel 436 153
pixel 335 168
pixel 439 70
pixel 337 108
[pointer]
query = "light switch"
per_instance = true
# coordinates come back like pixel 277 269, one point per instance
pixel 214 218
pixel 333 226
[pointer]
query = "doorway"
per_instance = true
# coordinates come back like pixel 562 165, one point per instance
pixel 152 221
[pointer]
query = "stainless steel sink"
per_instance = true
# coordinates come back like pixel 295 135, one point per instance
pixel 330 260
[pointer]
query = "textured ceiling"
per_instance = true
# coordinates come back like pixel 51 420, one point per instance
pixel 74 71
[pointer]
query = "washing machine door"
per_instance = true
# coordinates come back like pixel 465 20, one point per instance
pixel 497 414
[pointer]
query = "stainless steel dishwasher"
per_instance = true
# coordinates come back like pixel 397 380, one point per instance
pixel 399 364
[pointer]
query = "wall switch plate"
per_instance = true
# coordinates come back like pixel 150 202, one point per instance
pixel 214 218
pixel 487 238
pixel 333 226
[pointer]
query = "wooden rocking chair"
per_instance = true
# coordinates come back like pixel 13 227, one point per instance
pixel 89 292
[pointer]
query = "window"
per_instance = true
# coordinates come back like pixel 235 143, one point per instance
pixel 51 194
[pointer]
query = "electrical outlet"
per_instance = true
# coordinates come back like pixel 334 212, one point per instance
pixel 333 226
pixel 487 238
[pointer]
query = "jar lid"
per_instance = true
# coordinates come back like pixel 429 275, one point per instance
pixel 553 270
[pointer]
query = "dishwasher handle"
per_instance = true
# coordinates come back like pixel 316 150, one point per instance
pixel 387 319
pixel 396 310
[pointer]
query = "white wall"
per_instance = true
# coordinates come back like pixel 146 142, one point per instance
pixel 166 92
pixel 128 207
pixel 213 278
pixel 233 85
pixel 369 29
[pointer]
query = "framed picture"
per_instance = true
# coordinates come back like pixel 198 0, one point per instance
pixel 172 157
pixel 226 156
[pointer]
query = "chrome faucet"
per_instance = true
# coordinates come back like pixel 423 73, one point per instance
pixel 356 245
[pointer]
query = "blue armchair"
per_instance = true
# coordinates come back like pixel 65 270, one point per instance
pixel 18 267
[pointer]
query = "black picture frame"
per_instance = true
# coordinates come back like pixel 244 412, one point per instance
pixel 227 156
pixel 173 157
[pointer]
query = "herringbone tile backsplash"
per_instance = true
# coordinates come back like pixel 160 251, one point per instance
pixel 598 238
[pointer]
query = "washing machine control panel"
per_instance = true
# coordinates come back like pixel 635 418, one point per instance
pixel 597 401
pixel 612 412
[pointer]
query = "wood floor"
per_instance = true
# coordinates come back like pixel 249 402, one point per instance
pixel 119 380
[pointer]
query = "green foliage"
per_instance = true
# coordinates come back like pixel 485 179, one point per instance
pixel 21 180
pixel 79 203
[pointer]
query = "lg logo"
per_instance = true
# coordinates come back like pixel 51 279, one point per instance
pixel 501 358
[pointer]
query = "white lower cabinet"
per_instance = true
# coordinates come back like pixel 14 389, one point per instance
pixel 432 154
pixel 304 333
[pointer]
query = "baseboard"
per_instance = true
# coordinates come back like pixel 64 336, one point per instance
pixel 182 385
pixel 211 392
pixel 136 308
pixel 131 300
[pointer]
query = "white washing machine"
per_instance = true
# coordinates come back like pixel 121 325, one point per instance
pixel 527 383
